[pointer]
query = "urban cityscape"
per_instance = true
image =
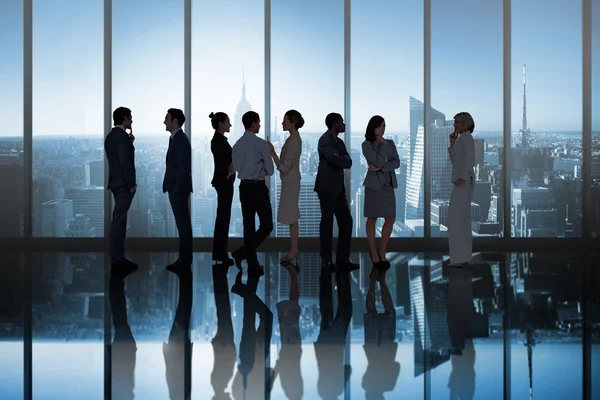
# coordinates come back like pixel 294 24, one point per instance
pixel 516 323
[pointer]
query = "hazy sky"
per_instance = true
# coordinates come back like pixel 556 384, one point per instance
pixel 307 66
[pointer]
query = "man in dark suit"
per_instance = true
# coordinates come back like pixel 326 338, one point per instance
pixel 222 181
pixel 178 183
pixel 329 185
pixel 119 150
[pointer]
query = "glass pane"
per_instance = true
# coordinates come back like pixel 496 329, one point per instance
pixel 228 77
pixel 147 77
pixel 68 169
pixel 545 160
pixel 466 76
pixel 11 109
pixel 384 351
pixel 463 334
pixel 11 325
pixel 230 324
pixel 595 189
pixel 68 325
pixel 546 343
pixel 387 80
pixel 595 199
pixel 307 75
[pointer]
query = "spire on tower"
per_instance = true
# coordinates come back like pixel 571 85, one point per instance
pixel 524 128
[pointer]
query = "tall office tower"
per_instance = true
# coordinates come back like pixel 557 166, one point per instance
pixel 56 215
pixel 243 106
pixel 94 173
pixel 12 215
pixel 440 171
pixel 204 212
pixel 88 201
pixel 440 168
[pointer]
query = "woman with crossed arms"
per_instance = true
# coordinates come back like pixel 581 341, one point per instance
pixel 380 184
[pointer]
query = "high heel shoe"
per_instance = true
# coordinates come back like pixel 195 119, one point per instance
pixel 385 264
pixel 377 267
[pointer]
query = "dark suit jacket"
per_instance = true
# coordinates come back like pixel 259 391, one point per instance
pixel 333 160
pixel 178 175
pixel 221 150
pixel 121 160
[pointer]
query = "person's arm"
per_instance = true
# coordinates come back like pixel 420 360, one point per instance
pixel 182 164
pixel 468 155
pixel 329 151
pixel 126 163
pixel 293 153
pixel 393 162
pixel 220 158
pixel 373 157
pixel 267 159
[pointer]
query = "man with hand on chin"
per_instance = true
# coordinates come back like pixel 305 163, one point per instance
pixel 178 183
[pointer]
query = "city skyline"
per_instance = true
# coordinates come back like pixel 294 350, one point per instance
pixel 307 63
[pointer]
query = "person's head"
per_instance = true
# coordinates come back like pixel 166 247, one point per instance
pixel 174 119
pixel 251 121
pixel 292 120
pixel 122 116
pixel 375 127
pixel 463 122
pixel 220 122
pixel 335 123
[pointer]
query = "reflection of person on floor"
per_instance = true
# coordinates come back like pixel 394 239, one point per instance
pixel 288 365
pixel 460 316
pixel 250 380
pixel 330 344
pixel 123 348
pixel 178 350
pixel 380 346
pixel 223 344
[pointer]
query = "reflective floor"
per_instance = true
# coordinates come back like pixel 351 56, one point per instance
pixel 508 326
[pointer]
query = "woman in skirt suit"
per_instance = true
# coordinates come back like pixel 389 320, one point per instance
pixel 380 183
pixel 288 164
pixel 462 157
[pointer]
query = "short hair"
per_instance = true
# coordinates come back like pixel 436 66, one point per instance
pixel 374 123
pixel 177 114
pixel 466 117
pixel 249 118
pixel 120 114
pixel 295 118
pixel 331 119
pixel 216 118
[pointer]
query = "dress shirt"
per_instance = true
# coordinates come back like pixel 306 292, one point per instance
pixel 252 157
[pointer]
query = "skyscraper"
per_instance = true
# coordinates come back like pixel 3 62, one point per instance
pixel 243 107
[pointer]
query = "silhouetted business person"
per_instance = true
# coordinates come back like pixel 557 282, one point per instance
pixel 178 183
pixel 329 185
pixel 222 181
pixel 120 153
pixel 252 162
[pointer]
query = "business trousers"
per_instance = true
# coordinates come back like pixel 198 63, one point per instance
pixel 254 197
pixel 335 204
pixel 460 238
pixel 221 233
pixel 181 213
pixel 118 227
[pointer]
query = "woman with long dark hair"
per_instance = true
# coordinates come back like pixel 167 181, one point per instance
pixel 380 183
pixel 223 178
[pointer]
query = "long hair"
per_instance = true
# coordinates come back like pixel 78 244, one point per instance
pixel 466 117
pixel 374 123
